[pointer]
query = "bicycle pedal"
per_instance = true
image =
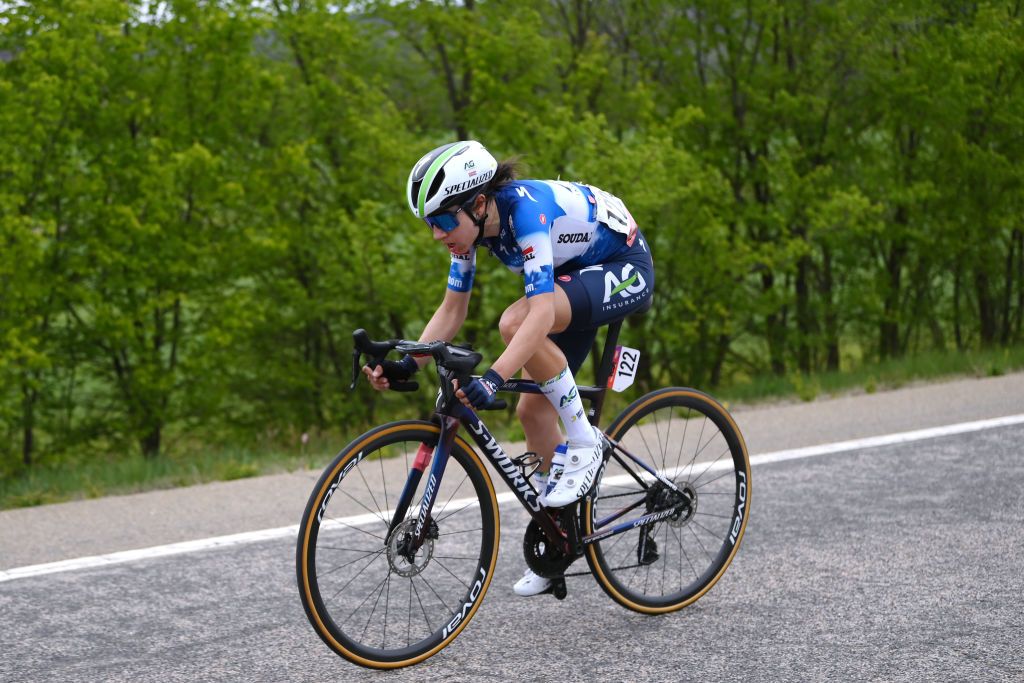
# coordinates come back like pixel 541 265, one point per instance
pixel 558 589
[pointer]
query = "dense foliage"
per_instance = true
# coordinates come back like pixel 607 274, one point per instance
pixel 200 200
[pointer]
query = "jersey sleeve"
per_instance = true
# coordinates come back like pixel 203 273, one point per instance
pixel 460 275
pixel 532 225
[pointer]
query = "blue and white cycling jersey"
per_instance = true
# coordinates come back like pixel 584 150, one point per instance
pixel 550 225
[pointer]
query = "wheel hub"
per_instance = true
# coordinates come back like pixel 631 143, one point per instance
pixel 405 560
pixel 686 505
pixel 683 502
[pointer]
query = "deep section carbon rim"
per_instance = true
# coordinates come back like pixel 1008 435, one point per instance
pixel 690 440
pixel 372 596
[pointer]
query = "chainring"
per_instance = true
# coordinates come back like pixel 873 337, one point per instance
pixel 541 557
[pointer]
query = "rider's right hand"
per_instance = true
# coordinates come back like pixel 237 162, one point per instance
pixel 390 371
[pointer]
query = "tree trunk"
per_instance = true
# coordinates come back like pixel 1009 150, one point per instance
pixel 150 443
pixel 889 328
pixel 957 328
pixel 28 420
pixel 1006 322
pixel 721 348
pixel 319 374
pixel 831 315
pixel 775 332
pixel 804 319
pixel 986 308
pixel 1018 235
pixel 692 372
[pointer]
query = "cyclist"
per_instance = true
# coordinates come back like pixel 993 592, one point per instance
pixel 584 264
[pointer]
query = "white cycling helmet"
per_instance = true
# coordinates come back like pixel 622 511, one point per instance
pixel 448 176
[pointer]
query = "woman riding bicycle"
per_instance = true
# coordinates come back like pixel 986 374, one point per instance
pixel 584 264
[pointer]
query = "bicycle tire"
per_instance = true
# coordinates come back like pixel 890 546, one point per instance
pixel 334 545
pixel 691 552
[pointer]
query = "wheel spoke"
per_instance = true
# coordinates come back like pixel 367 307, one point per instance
pixel 369 489
pixel 360 503
pixel 333 520
pixel 454 491
pixel 471 504
pixel 682 442
pixel 342 566
pixel 439 598
pixel 384 483
pixel 461 531
pixel 365 593
pixel 408 616
pixel 697 538
pixel 349 582
pixel 453 574
pixel 712 464
pixel 426 619
pixel 693 546
pixel 356 608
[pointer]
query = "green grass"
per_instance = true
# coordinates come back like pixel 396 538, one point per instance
pixel 872 377
pixel 52 483
pixel 46 483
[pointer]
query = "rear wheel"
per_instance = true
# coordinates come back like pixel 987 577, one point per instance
pixel 689 439
pixel 373 595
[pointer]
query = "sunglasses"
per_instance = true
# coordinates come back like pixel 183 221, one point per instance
pixel 445 222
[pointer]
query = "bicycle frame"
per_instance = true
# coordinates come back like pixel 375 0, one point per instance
pixel 452 414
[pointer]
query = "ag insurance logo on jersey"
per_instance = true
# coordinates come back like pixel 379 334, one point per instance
pixel 629 285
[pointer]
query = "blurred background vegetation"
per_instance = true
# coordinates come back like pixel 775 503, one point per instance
pixel 200 200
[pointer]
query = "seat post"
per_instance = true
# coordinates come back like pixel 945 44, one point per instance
pixel 608 355
pixel 605 370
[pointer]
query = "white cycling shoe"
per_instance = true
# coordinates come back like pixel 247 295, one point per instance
pixel 531 584
pixel 573 472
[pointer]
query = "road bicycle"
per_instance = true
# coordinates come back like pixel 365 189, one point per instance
pixel 399 540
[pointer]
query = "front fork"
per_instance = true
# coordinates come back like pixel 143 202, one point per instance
pixel 437 459
pixel 567 537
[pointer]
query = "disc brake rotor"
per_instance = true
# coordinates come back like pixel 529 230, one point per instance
pixel 403 559
pixel 687 506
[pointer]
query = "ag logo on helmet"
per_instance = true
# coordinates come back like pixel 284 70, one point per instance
pixel 626 286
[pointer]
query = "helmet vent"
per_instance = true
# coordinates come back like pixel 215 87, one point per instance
pixel 435 185
pixel 414 190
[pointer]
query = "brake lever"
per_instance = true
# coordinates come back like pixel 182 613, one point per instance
pixel 356 369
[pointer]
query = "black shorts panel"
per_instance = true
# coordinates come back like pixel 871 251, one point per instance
pixel 601 294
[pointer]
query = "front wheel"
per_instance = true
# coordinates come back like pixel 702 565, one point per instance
pixel 697 522
pixel 372 593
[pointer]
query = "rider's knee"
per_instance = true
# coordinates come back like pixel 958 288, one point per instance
pixel 523 410
pixel 509 323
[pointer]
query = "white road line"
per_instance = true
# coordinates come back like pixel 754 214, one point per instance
pixel 268 534
pixel 885 440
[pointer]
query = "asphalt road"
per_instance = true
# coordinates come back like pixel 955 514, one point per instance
pixel 122 523
pixel 892 563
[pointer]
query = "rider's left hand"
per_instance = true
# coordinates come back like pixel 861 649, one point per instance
pixel 390 371
pixel 479 393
